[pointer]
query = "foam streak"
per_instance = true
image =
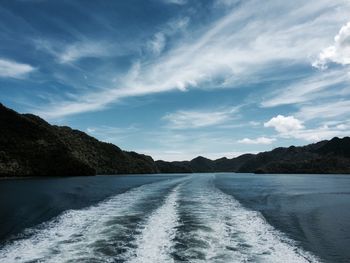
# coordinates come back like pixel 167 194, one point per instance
pixel 155 242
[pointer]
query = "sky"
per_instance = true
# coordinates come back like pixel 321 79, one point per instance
pixel 180 78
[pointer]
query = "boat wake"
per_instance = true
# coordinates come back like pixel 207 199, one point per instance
pixel 217 228
pixel 155 241
pixel 186 219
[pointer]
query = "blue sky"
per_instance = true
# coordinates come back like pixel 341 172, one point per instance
pixel 180 78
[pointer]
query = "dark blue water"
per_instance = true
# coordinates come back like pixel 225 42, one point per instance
pixel 177 218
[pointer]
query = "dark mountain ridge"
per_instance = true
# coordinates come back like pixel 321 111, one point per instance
pixel 29 146
pixel 331 156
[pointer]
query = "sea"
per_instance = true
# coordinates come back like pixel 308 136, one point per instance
pixel 211 217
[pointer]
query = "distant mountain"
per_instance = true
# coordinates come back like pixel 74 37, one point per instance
pixel 323 157
pixel 29 146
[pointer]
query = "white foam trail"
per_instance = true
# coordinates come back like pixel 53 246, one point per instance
pixel 74 235
pixel 155 242
pixel 233 233
pixel 122 229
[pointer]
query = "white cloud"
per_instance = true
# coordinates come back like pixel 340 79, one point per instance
pixel 284 124
pixel 223 53
pixel 260 140
pixel 80 50
pixel 323 84
pixel 325 110
pixel 317 134
pixel 12 69
pixel 68 53
pixel 176 25
pixel 339 52
pixel 343 127
pixel 157 44
pixel 290 127
pixel 195 119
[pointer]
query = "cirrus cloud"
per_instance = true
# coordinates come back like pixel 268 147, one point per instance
pixel 83 49
pixel 183 119
pixel 12 69
pixel 221 53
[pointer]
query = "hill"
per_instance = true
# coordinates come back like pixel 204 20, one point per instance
pixel 29 146
pixel 331 156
